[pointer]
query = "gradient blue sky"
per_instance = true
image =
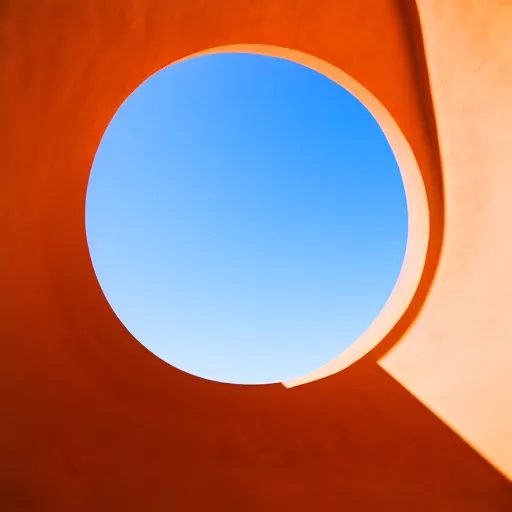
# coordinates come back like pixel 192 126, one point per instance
pixel 246 217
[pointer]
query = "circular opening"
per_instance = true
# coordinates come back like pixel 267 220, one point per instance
pixel 246 217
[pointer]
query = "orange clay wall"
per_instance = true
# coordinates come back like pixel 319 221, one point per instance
pixel 457 358
pixel 91 421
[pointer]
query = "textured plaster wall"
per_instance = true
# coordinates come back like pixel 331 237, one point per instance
pixel 457 359
pixel 90 420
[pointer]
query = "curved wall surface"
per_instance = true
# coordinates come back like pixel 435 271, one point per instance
pixel 90 420
pixel 458 357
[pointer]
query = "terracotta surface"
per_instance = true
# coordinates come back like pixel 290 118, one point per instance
pixel 90 420
pixel 457 359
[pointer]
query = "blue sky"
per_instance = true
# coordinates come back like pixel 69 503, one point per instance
pixel 246 217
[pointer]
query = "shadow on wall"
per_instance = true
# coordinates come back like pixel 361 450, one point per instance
pixel 90 419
